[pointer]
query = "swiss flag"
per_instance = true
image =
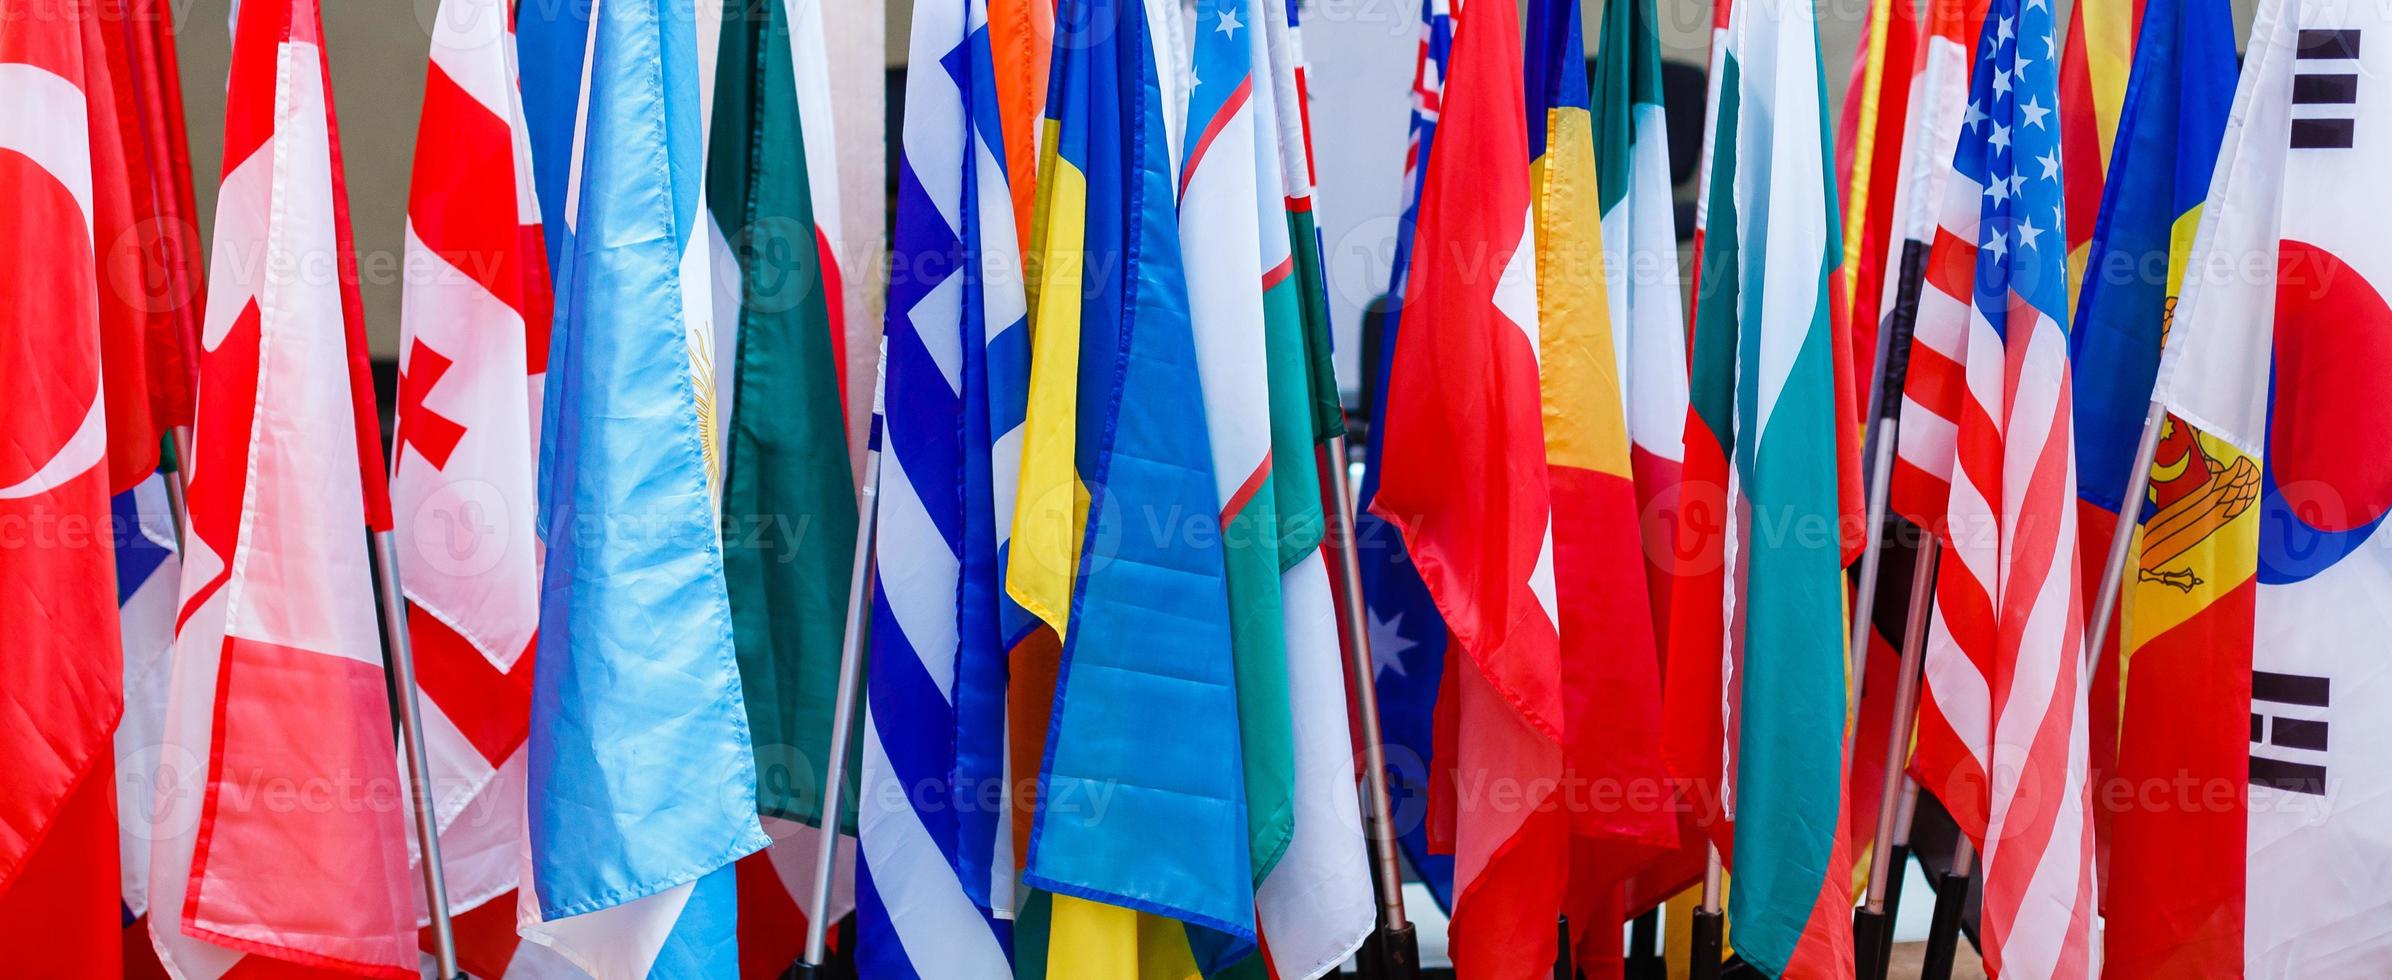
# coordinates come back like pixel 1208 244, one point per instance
pixel 1464 477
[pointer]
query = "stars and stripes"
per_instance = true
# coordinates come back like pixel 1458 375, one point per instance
pixel 935 885
pixel 2003 731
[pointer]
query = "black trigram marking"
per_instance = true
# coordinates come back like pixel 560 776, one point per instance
pixel 2288 753
pixel 2326 78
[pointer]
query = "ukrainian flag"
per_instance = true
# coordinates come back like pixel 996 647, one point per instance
pixel 1133 816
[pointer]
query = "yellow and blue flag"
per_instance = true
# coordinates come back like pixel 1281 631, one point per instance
pixel 1131 813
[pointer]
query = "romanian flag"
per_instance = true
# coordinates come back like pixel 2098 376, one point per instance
pixel 1611 680
pixel 2094 63
pixel 2174 118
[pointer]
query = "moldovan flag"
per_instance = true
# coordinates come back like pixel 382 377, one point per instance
pixel 1756 681
pixel 473 352
pixel 636 695
pixel 1611 678
pixel 278 676
pixel 2278 360
pixel 1467 484
pixel 60 684
pixel 2175 115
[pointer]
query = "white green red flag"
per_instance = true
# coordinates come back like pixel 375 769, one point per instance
pixel 1756 686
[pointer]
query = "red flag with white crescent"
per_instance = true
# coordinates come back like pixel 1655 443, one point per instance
pixel 60 681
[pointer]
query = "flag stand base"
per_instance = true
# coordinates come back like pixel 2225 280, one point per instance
pixel 1392 953
pixel 1708 953
pixel 1943 931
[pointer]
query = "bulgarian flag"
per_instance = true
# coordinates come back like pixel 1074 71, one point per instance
pixel 1757 628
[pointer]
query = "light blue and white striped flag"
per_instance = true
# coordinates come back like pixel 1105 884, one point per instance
pixel 935 886
pixel 636 698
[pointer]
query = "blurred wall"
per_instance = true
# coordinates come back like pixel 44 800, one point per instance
pixel 377 50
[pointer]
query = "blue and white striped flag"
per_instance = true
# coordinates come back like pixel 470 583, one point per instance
pixel 636 697
pixel 935 886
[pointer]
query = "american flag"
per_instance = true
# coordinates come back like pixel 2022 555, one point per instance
pixel 1988 461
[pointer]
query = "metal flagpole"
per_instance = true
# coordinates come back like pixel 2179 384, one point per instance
pixel 2113 568
pixel 1398 949
pixel 401 658
pixel 1871 926
pixel 851 669
pixel 1708 931
pixel 1951 899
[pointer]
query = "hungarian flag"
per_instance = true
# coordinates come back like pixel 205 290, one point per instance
pixel 1756 686
pixel 2257 607
pixel 1611 676
pixel 473 354
pixel 1465 480
pixel 278 678
pixel 61 169
pixel 2168 139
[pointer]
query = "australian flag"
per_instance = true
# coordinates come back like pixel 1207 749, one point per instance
pixel 1407 637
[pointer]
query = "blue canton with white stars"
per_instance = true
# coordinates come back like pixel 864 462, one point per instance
pixel 2010 147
